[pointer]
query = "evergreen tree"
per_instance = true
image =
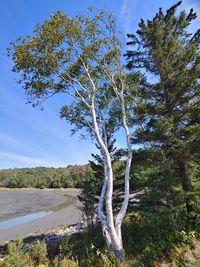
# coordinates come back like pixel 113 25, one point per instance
pixel 169 112
pixel 91 186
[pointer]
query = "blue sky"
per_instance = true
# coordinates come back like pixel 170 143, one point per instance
pixel 30 137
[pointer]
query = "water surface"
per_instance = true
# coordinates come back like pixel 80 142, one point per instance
pixel 23 219
pixel 20 202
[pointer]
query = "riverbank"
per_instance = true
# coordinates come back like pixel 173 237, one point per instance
pixel 23 201
pixel 62 202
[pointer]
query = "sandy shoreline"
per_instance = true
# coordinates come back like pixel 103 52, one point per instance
pixel 65 216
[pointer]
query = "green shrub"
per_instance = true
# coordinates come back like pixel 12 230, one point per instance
pixel 65 262
pixel 39 253
pixel 88 248
pixel 17 255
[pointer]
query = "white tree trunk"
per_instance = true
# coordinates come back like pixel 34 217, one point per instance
pixel 101 214
pixel 110 233
pixel 122 212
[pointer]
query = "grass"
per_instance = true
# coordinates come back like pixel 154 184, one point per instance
pixel 70 200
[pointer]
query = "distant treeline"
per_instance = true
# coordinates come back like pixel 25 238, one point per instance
pixel 42 177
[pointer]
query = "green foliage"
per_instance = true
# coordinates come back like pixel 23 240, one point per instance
pixel 172 55
pixel 65 262
pixel 88 248
pixel 154 237
pixel 39 253
pixel 89 198
pixel 169 103
pixel 64 52
pixel 18 256
pixel 42 177
pixel 91 186
pixel 150 239
pixel 76 56
pixel 158 224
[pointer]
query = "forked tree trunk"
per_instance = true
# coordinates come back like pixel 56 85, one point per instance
pixel 111 229
pixel 186 183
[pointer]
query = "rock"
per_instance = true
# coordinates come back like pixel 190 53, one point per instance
pixel 27 247
pixel 52 238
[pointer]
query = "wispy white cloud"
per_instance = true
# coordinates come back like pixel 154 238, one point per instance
pixel 13 105
pixel 127 14
pixel 9 140
pixel 30 161
pixel 29 136
pixel 17 144
pixel 196 2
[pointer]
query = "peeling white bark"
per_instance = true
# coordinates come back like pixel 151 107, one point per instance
pixel 101 214
pixel 110 233
pixel 122 212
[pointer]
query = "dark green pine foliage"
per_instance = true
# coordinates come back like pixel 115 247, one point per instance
pixel 91 186
pixel 157 183
pixel 169 113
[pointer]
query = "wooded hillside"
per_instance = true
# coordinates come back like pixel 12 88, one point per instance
pixel 42 177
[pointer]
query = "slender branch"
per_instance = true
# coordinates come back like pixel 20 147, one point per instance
pixel 49 96
pixel 80 98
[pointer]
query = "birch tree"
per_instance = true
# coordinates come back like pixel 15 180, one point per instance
pixel 80 58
